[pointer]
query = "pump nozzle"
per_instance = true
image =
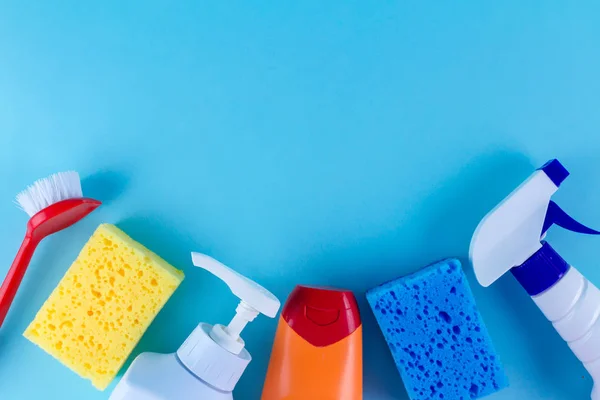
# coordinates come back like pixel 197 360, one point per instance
pixel 254 299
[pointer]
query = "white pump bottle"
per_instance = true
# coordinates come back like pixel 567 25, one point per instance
pixel 210 362
pixel 510 238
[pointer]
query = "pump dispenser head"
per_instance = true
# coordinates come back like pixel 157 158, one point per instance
pixel 254 300
pixel 216 354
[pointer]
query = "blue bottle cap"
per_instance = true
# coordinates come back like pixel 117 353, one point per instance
pixel 541 271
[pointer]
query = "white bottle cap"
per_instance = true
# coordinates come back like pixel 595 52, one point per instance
pixel 204 358
pixel 216 354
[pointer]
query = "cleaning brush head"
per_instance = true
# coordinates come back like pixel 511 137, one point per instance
pixel 53 204
pixel 45 192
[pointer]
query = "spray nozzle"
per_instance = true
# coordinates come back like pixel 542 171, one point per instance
pixel 254 300
pixel 511 233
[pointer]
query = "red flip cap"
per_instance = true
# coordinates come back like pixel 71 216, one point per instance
pixel 322 316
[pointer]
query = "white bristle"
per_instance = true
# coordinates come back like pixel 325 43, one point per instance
pixel 50 190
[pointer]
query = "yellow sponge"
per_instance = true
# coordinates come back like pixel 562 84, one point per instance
pixel 103 305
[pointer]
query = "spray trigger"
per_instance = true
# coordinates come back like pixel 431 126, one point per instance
pixel 511 233
pixel 556 215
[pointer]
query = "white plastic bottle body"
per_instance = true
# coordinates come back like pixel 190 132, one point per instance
pixel 573 307
pixel 154 376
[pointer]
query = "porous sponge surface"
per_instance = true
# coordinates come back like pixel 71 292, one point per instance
pixel 103 305
pixel 436 334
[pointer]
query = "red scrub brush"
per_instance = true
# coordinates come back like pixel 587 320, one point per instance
pixel 53 203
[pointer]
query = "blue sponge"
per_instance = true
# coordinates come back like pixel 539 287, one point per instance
pixel 437 337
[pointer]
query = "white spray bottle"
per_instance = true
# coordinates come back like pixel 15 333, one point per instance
pixel 510 238
pixel 210 362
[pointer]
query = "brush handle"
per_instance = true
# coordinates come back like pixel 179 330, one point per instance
pixel 13 279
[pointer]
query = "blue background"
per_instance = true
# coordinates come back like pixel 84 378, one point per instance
pixel 341 143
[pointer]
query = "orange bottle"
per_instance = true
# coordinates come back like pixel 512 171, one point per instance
pixel 317 352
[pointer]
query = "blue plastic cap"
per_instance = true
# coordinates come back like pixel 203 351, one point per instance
pixel 541 271
pixel 555 171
